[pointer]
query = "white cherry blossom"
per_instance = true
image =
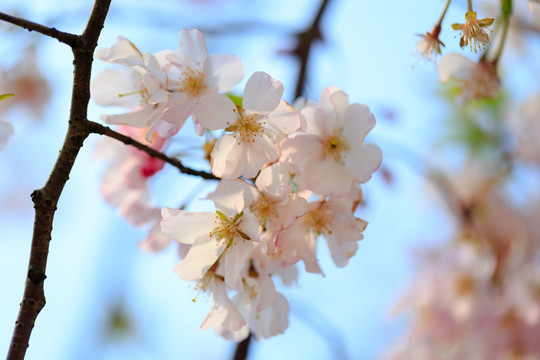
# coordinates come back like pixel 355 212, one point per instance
pixel 331 154
pixel 253 130
pixel 226 235
pixel 193 74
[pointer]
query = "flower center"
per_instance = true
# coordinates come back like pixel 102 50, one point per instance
pixel 318 221
pixel 464 285
pixel 334 146
pixel 264 210
pixel 247 127
pixel 193 82
pixel 142 92
pixel 227 228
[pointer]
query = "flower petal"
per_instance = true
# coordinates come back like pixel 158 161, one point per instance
pixel 201 256
pixel 228 158
pixel 186 226
pixel 192 43
pixel 116 87
pixel 262 93
pixel 223 71
pixel 235 259
pixel 216 111
pixel 364 161
pixel 326 177
pixel 285 118
pixel 454 66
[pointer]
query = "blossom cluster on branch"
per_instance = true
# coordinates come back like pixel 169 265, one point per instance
pixel 288 175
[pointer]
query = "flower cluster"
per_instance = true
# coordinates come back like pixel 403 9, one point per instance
pixel 289 175
pixel 478 298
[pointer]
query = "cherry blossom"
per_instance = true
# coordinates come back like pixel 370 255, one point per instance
pixel 473 32
pixel 192 74
pixel 139 87
pixel 478 80
pixel 289 176
pixel 331 219
pixel 478 296
pixel 223 316
pixel 28 83
pixel 430 45
pixel 331 154
pixel 253 130
pixel 265 310
pixel 163 89
pixel 226 235
pixel 125 184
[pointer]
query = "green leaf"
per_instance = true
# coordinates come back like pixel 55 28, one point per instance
pixel 236 99
pixel 5 96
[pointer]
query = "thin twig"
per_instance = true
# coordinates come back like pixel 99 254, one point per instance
pixel 305 40
pixel 46 198
pixel 63 37
pixel 97 128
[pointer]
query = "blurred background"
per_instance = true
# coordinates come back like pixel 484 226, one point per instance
pixel 106 299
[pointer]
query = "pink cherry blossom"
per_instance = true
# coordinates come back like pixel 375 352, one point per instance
pixel 125 183
pixel 328 218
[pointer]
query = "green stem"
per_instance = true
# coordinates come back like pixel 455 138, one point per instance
pixel 439 23
pixel 507 12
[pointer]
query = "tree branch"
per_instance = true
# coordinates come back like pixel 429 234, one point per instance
pixel 242 348
pixel 305 41
pixel 63 37
pixel 46 198
pixel 104 130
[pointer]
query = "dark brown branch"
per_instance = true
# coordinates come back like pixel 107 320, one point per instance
pixel 46 198
pixel 242 348
pixel 104 130
pixel 63 37
pixel 305 40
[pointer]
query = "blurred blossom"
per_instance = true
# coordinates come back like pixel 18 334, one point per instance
pixel 430 45
pixel 478 80
pixel 478 297
pixel 125 183
pixel 26 81
pixel 526 127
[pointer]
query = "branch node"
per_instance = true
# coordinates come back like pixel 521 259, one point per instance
pixel 35 275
